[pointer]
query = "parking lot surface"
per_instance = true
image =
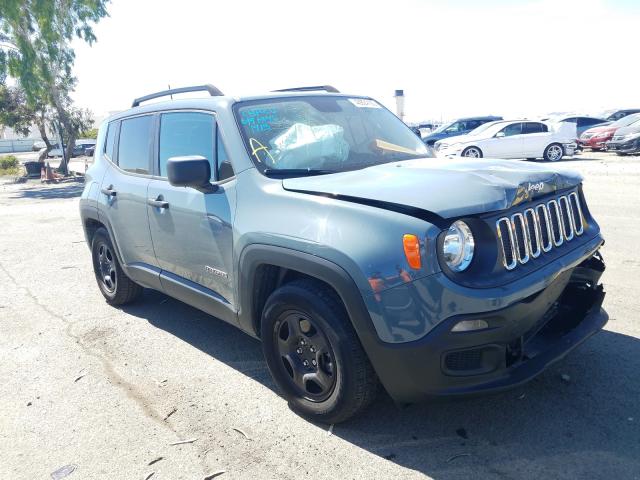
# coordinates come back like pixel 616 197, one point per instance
pixel 107 391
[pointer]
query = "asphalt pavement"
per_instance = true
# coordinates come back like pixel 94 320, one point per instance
pixel 108 392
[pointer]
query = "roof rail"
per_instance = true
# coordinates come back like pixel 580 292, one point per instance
pixel 213 91
pixel 326 88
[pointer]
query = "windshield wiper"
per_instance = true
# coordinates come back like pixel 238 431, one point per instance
pixel 296 172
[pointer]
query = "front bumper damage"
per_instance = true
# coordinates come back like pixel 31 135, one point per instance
pixel 522 340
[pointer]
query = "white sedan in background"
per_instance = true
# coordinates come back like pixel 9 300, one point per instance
pixel 512 139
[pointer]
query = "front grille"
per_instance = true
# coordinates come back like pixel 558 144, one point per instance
pixel 526 235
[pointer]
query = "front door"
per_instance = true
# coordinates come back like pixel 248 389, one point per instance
pixel 191 230
pixel 507 146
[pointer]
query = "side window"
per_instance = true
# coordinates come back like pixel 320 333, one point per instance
pixel 133 147
pixel 472 124
pixel 587 121
pixel 225 170
pixel 186 133
pixel 513 129
pixel 532 127
pixel 110 141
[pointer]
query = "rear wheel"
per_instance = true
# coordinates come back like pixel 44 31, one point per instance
pixel 116 287
pixel 553 152
pixel 472 152
pixel 314 354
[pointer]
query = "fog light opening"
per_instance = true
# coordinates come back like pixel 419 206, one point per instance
pixel 470 325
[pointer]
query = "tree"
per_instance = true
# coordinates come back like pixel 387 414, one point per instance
pixel 35 36
pixel 91 133
pixel 14 111
pixel 18 114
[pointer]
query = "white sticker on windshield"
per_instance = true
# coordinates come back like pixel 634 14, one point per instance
pixel 364 103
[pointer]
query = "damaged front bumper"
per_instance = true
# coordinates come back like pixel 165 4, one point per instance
pixel 520 341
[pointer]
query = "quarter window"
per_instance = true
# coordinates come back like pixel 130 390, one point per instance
pixel 110 142
pixel 225 170
pixel 134 144
pixel 186 133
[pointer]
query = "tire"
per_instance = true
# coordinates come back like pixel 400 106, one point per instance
pixel 472 152
pixel 116 287
pixel 305 321
pixel 553 152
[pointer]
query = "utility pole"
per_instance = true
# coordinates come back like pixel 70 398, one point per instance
pixel 399 96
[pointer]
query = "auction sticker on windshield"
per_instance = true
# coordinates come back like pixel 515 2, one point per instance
pixel 365 103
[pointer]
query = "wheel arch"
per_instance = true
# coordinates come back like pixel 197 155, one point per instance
pixel 91 222
pixel 263 268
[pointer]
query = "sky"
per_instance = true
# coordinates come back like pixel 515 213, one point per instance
pixel 518 58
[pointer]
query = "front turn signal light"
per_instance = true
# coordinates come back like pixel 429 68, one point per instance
pixel 412 251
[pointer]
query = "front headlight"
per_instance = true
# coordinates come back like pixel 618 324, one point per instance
pixel 458 246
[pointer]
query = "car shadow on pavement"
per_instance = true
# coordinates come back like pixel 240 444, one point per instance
pixel 580 418
pixel 48 192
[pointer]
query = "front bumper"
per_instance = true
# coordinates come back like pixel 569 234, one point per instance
pixel 631 146
pixel 522 340
pixel 597 143
pixel 569 149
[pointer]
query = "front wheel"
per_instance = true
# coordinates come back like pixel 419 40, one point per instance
pixel 553 152
pixel 314 354
pixel 472 152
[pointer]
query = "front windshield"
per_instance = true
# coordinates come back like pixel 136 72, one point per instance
pixel 443 127
pixel 482 128
pixel 324 133
pixel 626 121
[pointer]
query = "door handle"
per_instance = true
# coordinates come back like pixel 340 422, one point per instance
pixel 158 202
pixel 109 191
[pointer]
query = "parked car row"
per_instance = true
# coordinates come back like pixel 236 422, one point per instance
pixel 549 138
pixel 620 136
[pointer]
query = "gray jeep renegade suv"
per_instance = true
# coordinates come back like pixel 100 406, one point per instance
pixel 318 223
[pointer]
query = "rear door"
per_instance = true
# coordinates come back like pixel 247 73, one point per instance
pixel 123 198
pixel 192 232
pixel 535 138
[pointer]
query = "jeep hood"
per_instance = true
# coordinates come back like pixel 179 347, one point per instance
pixel 436 189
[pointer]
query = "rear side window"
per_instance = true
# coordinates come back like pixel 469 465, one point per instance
pixel 110 142
pixel 533 127
pixel 186 133
pixel 134 144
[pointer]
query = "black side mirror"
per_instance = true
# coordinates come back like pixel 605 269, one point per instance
pixel 190 171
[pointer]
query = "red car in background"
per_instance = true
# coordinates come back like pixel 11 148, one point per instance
pixel 595 138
